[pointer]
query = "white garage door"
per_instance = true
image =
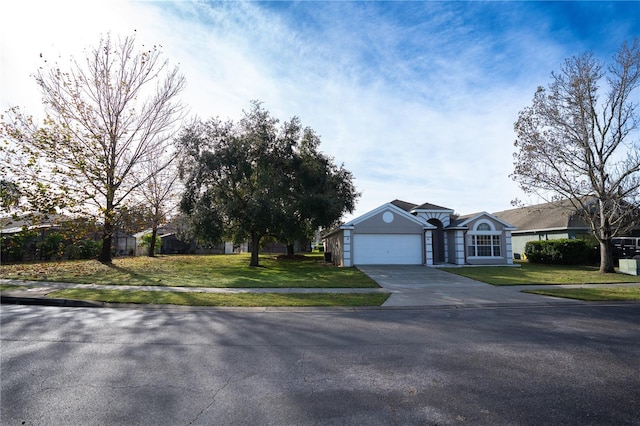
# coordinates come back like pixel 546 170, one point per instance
pixel 386 249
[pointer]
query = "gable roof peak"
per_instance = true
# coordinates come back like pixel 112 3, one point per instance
pixel 429 206
pixel 388 206
pixel 404 205
pixel 466 219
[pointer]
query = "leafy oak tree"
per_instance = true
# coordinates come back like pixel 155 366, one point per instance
pixel 254 179
pixel 9 195
pixel 106 117
pixel 578 141
pixel 321 191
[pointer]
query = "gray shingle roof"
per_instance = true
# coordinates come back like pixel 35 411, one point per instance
pixel 560 215
pixel 411 207
pixel 404 205
pixel 10 224
pixel 429 206
pixel 460 219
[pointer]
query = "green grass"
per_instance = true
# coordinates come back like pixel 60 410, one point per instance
pixel 209 299
pixel 11 287
pixel 196 271
pixel 530 273
pixel 592 294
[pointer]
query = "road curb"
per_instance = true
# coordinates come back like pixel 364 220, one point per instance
pixel 48 301
pixel 70 303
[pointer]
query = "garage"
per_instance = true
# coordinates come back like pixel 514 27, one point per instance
pixel 387 249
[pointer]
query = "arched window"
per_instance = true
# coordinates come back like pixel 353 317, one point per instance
pixel 484 241
pixel 483 227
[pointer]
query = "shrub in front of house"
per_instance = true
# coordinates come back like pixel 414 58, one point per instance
pixel 562 252
pixel 146 243
pixel 52 246
pixel 14 246
pixel 84 249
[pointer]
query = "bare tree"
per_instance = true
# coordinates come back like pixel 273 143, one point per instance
pixel 159 194
pixel 106 117
pixel 574 144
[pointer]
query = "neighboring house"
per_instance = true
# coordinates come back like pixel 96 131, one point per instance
pixel 404 233
pixel 26 248
pixel 124 244
pixel 41 226
pixel 10 224
pixel 171 244
pixel 547 221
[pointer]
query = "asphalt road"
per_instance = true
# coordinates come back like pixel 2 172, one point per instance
pixel 573 365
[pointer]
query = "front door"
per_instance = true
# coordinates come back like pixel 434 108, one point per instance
pixel 437 241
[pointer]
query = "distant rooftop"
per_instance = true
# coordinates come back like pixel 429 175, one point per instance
pixel 560 215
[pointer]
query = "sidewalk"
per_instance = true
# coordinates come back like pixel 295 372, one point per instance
pixel 410 286
pixel 44 287
pixel 36 292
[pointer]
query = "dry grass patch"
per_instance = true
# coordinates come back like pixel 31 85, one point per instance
pixel 195 271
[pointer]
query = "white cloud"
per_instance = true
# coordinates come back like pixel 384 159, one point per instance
pixel 419 106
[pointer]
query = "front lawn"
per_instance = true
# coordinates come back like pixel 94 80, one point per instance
pixel 11 287
pixel 592 294
pixel 531 273
pixel 195 271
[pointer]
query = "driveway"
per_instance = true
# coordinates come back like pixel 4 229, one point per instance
pixel 423 286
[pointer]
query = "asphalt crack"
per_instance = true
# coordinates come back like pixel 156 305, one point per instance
pixel 213 400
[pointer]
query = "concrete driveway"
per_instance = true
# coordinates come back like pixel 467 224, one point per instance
pixel 415 285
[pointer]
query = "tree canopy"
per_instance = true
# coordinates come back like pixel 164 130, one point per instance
pixel 253 179
pixel 106 117
pixel 321 192
pixel 579 141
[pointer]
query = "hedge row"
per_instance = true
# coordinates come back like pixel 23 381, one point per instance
pixel 25 246
pixel 562 252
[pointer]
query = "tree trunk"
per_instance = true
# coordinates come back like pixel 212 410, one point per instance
pixel 290 252
pixel 107 227
pixel 255 248
pixel 606 254
pixel 152 243
pixel 606 257
pixel 107 239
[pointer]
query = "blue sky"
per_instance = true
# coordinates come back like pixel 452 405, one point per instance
pixel 417 99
